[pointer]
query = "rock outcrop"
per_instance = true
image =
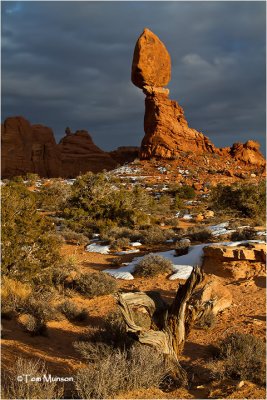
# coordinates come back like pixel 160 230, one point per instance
pixel 79 154
pixel 125 154
pixel 32 148
pixel 167 133
pixel 235 261
pixel 28 148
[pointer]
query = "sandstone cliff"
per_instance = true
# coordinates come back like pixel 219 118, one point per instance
pixel 28 148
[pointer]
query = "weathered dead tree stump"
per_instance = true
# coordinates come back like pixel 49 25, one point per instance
pixel 170 324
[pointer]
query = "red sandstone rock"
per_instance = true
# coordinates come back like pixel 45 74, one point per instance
pixel 167 133
pixel 79 154
pixel 248 153
pixel 125 154
pixel 151 61
pixel 28 148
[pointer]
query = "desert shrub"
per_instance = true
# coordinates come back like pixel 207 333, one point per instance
pixel 120 244
pixel 117 232
pixel 243 357
pixel 113 371
pixel 184 192
pixel 245 200
pixel 15 389
pixel 99 197
pixel 39 309
pixel 182 247
pixel 71 236
pixel 95 284
pixel 53 196
pixel 244 234
pixel 72 312
pixel 155 235
pixel 206 322
pixel 152 265
pixel 32 324
pixel 17 179
pixel 13 295
pixel 199 234
pixel 29 242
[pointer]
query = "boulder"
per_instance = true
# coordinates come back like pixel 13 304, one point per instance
pixel 248 153
pixel 151 61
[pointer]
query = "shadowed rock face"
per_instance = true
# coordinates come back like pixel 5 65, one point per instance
pixel 32 148
pixel 167 133
pixel 28 148
pixel 80 154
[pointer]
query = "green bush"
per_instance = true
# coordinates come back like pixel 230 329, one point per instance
pixel 243 358
pixel 53 196
pixel 95 284
pixel 71 236
pixel 152 265
pixel 29 241
pixel 243 200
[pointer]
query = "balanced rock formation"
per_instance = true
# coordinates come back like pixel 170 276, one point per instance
pixel 167 133
pixel 28 148
pixel 79 154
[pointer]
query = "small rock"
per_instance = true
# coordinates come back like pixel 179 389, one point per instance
pixel 240 385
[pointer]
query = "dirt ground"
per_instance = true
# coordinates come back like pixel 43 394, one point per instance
pixel 246 315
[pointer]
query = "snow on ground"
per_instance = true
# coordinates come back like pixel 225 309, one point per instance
pixel 96 248
pixel 220 229
pixel 119 253
pixel 187 217
pixel 182 265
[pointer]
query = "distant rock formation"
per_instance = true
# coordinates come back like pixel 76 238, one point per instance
pixel 167 133
pixel 32 148
pixel 79 154
pixel 125 154
pixel 28 148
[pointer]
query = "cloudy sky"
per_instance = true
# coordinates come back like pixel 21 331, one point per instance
pixel 69 64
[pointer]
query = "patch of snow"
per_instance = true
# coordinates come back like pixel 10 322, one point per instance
pixel 187 217
pixel 96 248
pixel 127 276
pixel 135 244
pixel 181 265
pixel 261 233
pixel 220 229
pixel 127 252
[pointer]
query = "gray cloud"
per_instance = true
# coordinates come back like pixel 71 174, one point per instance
pixel 69 63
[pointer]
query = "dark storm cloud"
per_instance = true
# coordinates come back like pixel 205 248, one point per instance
pixel 69 63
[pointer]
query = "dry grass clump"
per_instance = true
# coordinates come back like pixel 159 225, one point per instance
pixel 199 234
pixel 95 284
pixel 12 388
pixel 152 265
pixel 241 356
pixel 13 295
pixel 71 236
pixel 72 312
pixel 182 247
pixel 112 371
pixel 155 235
pixel 120 244
pixel 244 234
